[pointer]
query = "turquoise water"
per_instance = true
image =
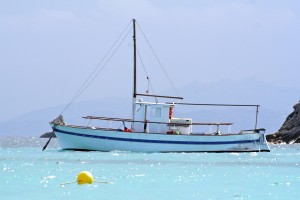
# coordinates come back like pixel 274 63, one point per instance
pixel 29 173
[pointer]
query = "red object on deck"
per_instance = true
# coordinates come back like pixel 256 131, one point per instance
pixel 127 129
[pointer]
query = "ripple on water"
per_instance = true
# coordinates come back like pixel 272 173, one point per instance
pixel 37 174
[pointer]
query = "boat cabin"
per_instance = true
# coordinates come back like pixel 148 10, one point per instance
pixel 150 117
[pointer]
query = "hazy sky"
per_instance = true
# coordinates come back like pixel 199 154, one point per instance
pixel 49 47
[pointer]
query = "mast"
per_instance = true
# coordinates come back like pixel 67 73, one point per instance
pixel 134 60
pixel 134 74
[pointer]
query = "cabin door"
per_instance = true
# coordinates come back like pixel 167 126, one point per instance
pixel 146 118
pixel 158 114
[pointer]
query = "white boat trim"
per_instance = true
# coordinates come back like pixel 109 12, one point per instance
pixel 84 138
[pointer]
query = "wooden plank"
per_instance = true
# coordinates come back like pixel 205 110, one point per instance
pixel 207 104
pixel 160 96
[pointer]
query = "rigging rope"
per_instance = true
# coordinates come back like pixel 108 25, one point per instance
pixel 151 86
pixel 92 75
pixel 155 55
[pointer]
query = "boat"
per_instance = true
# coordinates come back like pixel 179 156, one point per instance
pixel 153 128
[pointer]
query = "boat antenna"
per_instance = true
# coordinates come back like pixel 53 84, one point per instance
pixel 150 86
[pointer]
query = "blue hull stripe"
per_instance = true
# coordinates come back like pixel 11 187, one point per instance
pixel 157 141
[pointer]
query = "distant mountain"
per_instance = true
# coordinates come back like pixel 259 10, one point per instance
pixel 276 103
pixel 36 123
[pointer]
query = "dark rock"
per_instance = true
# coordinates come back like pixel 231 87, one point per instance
pixel 290 130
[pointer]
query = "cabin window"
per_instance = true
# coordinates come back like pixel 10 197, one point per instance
pixel 156 112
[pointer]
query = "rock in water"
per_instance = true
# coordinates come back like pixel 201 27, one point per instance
pixel 290 130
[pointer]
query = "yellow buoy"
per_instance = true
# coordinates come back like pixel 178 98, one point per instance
pixel 85 177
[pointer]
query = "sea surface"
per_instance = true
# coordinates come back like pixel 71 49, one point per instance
pixel 27 172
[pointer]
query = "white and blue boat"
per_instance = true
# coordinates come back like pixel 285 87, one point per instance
pixel 154 129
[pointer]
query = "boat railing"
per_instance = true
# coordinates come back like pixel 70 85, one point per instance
pixel 170 124
pixel 227 105
pixel 167 123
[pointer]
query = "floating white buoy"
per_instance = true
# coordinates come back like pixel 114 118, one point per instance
pixel 85 177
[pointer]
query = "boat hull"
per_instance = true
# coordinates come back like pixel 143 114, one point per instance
pixel 83 138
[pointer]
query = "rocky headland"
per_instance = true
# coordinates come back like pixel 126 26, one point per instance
pixel 289 132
